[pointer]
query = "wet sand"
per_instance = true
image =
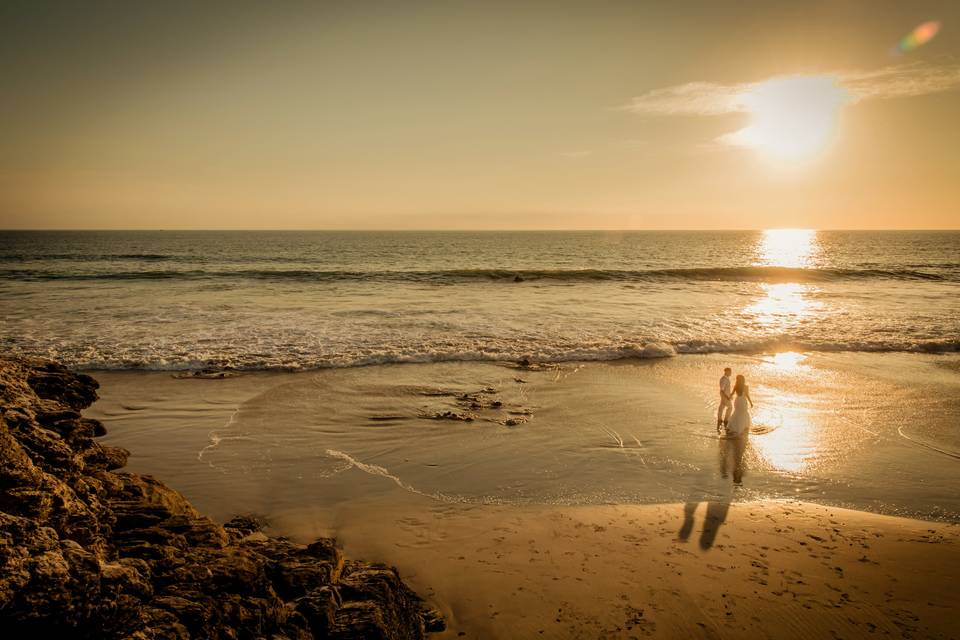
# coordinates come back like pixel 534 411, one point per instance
pixel 772 569
pixel 611 511
pixel 838 429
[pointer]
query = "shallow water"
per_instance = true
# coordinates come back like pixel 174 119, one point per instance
pixel 869 431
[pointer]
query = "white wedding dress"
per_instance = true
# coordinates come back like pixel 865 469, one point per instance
pixel 740 420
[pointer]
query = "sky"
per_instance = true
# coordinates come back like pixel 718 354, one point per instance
pixel 479 115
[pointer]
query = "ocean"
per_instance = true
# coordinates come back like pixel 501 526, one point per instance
pixel 170 300
pixel 380 368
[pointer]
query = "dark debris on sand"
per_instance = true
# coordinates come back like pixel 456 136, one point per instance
pixel 90 552
pixel 483 404
pixel 207 374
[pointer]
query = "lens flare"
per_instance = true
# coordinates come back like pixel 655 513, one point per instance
pixel 918 37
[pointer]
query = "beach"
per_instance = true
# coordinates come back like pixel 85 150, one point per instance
pixel 841 429
pixel 523 423
pixel 329 320
pixel 767 569
pixel 609 510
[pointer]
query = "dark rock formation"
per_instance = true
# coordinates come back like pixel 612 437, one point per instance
pixel 88 552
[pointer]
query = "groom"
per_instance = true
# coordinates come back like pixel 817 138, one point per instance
pixel 726 404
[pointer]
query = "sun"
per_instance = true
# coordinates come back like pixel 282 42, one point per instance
pixel 793 119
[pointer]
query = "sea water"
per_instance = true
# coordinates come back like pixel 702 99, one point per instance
pixel 849 341
pixel 307 300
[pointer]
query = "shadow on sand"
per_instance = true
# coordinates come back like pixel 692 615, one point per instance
pixel 716 516
pixel 731 453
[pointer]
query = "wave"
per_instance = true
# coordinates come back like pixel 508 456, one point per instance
pixel 85 257
pixel 103 358
pixel 454 276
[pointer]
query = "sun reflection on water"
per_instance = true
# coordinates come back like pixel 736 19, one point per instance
pixel 784 304
pixel 790 437
pixel 791 443
pixel 781 304
pixel 796 248
pixel 786 361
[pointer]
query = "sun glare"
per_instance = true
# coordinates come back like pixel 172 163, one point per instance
pixel 787 248
pixel 786 360
pixel 781 305
pixel 793 443
pixel 792 119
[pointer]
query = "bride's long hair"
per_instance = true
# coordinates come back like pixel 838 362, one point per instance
pixel 740 386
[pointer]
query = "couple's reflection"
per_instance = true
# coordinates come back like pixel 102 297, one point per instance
pixel 731 457
pixel 731 453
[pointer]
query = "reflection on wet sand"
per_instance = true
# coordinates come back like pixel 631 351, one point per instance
pixel 731 457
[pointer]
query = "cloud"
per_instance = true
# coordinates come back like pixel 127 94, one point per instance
pixel 901 81
pixel 693 98
pixel 712 98
pixel 794 118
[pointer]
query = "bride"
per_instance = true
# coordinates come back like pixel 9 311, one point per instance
pixel 740 421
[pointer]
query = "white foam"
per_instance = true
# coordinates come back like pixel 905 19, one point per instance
pixel 215 437
pixel 927 445
pixel 376 470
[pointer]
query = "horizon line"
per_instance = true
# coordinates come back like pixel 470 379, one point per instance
pixel 447 230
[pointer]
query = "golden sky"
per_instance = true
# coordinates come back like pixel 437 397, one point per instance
pixel 479 115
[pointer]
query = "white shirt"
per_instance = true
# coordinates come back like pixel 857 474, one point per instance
pixel 725 387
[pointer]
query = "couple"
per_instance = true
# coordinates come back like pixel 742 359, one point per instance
pixel 739 423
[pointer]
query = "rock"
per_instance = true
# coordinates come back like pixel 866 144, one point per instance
pixel 89 552
pixel 452 415
pixel 433 621
pixel 319 609
pixel 53 381
pixel 376 602
pixel 207 374
pixel 242 526
pixel 105 457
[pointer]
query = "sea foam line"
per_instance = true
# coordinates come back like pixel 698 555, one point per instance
pixel 376 470
pixel 404 354
pixel 927 445
pixel 214 436
pixel 216 439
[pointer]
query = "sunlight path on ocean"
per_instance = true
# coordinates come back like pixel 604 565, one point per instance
pixel 783 306
pixel 797 248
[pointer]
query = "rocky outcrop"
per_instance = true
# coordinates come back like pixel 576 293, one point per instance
pixel 87 551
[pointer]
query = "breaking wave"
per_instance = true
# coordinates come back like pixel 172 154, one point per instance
pixel 234 357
